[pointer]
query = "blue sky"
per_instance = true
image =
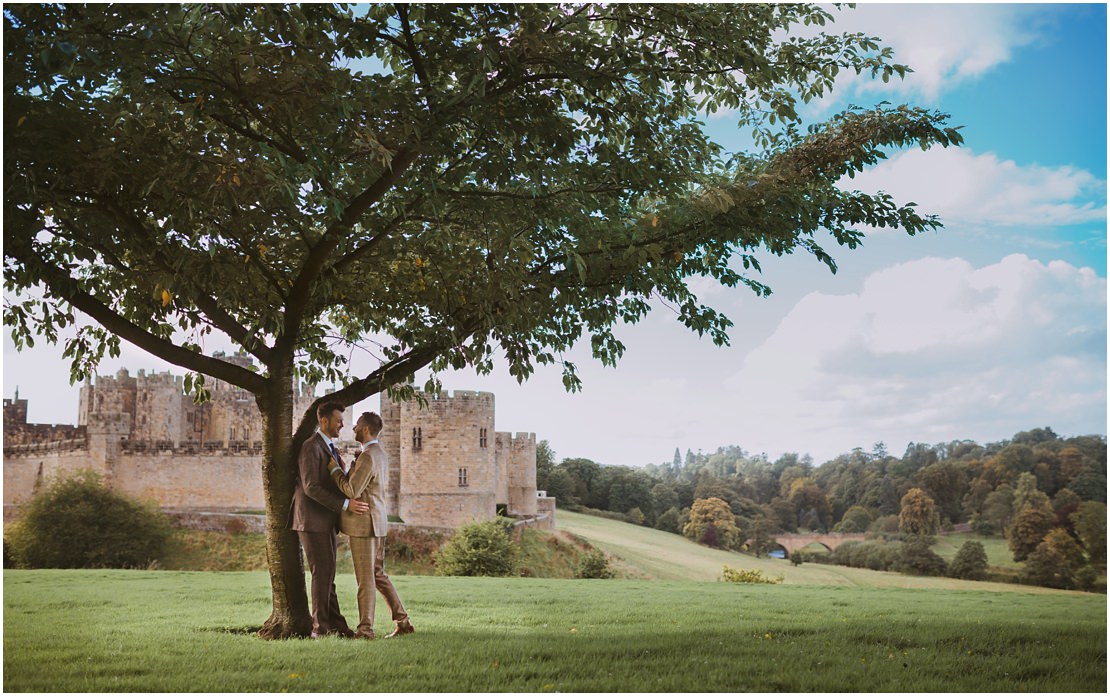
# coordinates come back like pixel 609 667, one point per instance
pixel 993 325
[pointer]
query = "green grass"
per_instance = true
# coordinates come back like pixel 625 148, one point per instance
pixel 173 631
pixel 652 554
pixel 998 550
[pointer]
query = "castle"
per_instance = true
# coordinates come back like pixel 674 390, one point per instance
pixel 147 438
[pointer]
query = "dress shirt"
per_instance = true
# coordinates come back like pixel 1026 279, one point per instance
pixel 335 452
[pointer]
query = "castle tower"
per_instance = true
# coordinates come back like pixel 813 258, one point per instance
pixel 448 469
pixel 108 395
pixel 159 413
pixel 516 464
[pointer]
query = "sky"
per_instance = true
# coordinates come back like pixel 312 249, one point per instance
pixel 992 325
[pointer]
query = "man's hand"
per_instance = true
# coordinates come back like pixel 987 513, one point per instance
pixel 358 507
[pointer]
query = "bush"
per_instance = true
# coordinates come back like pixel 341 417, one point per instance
pixel 918 559
pixel 481 548
pixel 635 516
pixel 729 574
pixel 594 565
pixel 970 562
pixel 78 523
pixel 413 545
pixel 669 521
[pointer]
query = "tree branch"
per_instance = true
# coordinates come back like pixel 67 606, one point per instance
pixel 66 288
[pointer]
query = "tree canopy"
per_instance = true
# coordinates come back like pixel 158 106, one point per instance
pixel 446 178
pixel 436 184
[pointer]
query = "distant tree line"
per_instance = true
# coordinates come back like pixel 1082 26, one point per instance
pixel 1044 493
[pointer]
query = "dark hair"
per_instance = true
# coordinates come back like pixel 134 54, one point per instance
pixel 327 408
pixel 372 421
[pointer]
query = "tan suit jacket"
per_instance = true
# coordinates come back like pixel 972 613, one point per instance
pixel 366 481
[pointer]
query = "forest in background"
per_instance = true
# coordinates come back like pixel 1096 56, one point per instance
pixel 1023 489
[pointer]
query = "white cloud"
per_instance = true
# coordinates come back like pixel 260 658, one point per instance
pixel 944 45
pixel 933 350
pixel 961 186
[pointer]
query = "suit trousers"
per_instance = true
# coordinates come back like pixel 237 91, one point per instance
pixel 368 557
pixel 319 548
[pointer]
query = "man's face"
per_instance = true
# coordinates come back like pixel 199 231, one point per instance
pixel 332 424
pixel 361 432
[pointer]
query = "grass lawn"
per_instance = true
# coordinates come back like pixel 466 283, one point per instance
pixel 652 554
pixel 103 630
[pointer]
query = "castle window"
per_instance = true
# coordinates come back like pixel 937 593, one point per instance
pixel 463 480
pixel 482 440
pixel 417 438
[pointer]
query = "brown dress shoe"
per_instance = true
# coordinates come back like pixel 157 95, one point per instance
pixel 402 629
pixel 363 635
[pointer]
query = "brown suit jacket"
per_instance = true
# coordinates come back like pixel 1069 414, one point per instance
pixel 316 499
pixel 366 481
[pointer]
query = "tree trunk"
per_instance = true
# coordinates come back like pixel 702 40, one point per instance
pixel 290 617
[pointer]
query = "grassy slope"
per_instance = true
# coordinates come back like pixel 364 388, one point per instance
pixel 653 554
pixel 171 631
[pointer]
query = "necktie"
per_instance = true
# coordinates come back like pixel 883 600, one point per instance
pixel 334 453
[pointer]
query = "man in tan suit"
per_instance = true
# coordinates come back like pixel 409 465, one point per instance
pixel 366 482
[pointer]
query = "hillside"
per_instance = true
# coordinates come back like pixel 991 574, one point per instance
pixel 652 554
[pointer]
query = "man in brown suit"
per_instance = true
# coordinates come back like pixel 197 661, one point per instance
pixel 366 482
pixel 317 504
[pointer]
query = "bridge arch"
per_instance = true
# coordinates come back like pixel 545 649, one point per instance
pixel 791 543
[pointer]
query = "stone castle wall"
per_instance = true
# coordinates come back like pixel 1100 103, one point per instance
pixel 447 465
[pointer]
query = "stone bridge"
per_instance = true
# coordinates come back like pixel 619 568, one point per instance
pixel 793 542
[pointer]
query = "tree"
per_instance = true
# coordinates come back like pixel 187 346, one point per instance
pixel 998 510
pixel 1090 525
pixel 712 522
pixel 970 562
pixel 1027 494
pixel 1055 562
pixel 545 463
pixel 585 475
pixel 438 184
pixel 1029 528
pixel 631 488
pixel 856 520
pixel 668 521
pixel 946 483
pixel 918 515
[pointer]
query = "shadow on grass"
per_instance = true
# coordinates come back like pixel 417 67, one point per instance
pixel 234 630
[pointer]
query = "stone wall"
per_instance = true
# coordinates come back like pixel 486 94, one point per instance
pixel 447 464
pixel 545 510
pixel 170 478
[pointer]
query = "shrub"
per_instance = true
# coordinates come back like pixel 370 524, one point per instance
pixel 970 562
pixel 78 523
pixel 668 521
pixel 235 525
pixel 635 516
pixel 729 574
pixel 594 565
pixel 918 559
pixel 481 548
pixel 413 545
